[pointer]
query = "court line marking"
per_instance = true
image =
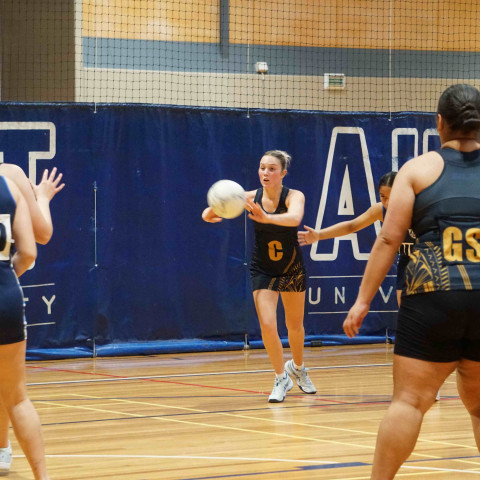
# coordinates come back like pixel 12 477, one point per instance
pixel 225 427
pixel 442 469
pixel 400 474
pixel 222 427
pixel 196 424
pixel 113 378
pixel 276 421
pixel 430 470
pixel 206 412
pixel 190 457
pixel 39 285
pixel 234 415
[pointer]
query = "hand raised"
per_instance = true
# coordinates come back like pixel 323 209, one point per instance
pixel 49 186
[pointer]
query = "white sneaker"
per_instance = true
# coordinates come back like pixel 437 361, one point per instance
pixel 280 389
pixel 5 459
pixel 301 377
pixel 437 398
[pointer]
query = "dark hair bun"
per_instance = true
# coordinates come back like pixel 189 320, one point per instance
pixel 459 105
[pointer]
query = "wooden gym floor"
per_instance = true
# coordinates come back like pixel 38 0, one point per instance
pixel 206 416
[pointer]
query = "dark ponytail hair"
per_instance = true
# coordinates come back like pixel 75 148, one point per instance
pixel 387 179
pixel 459 105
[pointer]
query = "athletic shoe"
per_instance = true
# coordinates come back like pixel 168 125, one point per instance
pixel 437 398
pixel 301 377
pixel 280 389
pixel 5 459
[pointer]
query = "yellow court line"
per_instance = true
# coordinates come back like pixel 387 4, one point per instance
pixel 99 404
pixel 398 475
pixel 333 442
pixel 234 429
pixel 280 422
pixel 198 424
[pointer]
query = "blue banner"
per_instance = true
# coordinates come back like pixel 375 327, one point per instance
pixel 131 264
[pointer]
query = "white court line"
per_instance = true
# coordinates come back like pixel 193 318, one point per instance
pixel 192 457
pixel 249 459
pixel 475 472
pixel 186 375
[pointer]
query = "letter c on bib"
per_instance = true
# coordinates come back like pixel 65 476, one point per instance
pixel 275 251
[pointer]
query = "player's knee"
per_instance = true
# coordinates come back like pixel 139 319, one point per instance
pixel 268 327
pixel 295 325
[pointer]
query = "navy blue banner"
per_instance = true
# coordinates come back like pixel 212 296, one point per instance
pixel 131 261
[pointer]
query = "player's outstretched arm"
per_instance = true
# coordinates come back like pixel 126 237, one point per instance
pixel 310 235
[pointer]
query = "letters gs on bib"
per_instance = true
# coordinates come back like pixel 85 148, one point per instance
pixel 460 239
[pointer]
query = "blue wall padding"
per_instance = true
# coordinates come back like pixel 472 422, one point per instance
pixel 134 269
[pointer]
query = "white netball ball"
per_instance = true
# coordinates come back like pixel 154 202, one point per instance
pixel 226 198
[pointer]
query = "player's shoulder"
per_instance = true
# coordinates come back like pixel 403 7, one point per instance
pixel 11 169
pixel 293 193
pixel 420 161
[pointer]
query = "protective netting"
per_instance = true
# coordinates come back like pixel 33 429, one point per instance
pixel 382 55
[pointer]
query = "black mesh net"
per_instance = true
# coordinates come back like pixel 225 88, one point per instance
pixel 337 55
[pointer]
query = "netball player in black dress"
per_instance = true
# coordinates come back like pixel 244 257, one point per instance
pixel 277 269
pixel 438 331
pixel 15 224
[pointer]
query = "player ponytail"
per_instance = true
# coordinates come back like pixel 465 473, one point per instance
pixel 459 105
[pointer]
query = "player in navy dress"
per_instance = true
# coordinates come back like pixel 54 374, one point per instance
pixel 38 199
pixel 277 269
pixel 437 195
pixel 16 225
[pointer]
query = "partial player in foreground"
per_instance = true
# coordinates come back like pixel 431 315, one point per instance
pixel 37 198
pixel 438 328
pixel 277 269
pixel 17 225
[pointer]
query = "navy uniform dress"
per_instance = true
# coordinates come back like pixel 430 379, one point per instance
pixel 277 261
pixel 439 318
pixel 12 318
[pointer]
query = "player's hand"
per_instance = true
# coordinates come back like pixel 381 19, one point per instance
pixel 256 212
pixel 49 186
pixel 307 237
pixel 354 319
pixel 210 216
